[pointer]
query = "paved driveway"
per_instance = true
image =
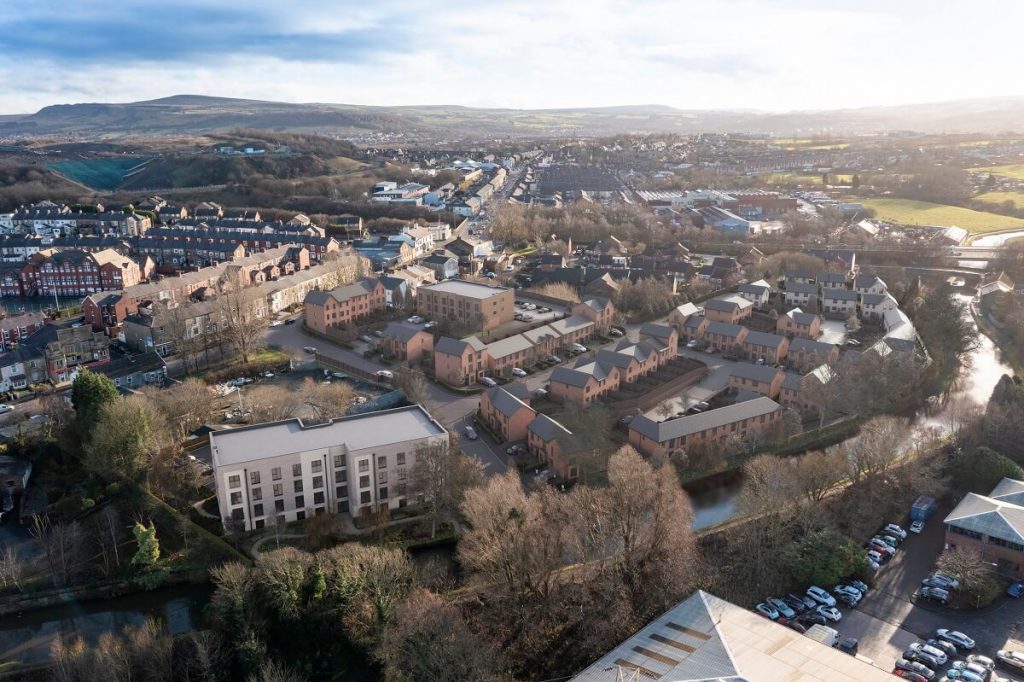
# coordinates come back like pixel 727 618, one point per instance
pixel 716 381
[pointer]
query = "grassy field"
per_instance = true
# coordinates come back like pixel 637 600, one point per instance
pixel 96 173
pixel 1015 171
pixel 911 212
pixel 1000 197
pixel 793 178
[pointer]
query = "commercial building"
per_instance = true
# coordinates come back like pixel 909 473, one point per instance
pixel 993 525
pixel 288 470
pixel 705 638
pixel 736 421
pixel 477 306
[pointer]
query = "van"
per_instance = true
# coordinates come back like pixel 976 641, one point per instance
pixel 824 634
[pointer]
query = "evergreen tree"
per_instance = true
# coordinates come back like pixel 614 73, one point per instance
pixel 149 547
pixel 89 393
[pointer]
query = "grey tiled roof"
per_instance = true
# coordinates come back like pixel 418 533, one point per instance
pixel 760 373
pixel 663 432
pixel 546 428
pixel 764 339
pixel 504 402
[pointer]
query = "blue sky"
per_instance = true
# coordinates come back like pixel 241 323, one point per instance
pixel 775 55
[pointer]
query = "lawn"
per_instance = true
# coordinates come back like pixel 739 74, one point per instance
pixel 910 212
pixel 1000 197
pixel 1014 170
pixel 96 173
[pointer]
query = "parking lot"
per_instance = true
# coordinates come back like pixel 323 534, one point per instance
pixel 886 621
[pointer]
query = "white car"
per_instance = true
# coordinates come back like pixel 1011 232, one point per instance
pixel 384 374
pixel 945 581
pixel 415 319
pixel 938 654
pixel 895 531
pixel 821 596
pixel 430 325
pixel 488 382
pixel 518 372
pixel 5 408
pixel 276 323
pixel 955 637
pixel 850 592
pixel 471 433
pixel 983 661
pixel 615 332
pixel 829 612
pixel 979 670
pixel 917 526
pixel 579 348
pixel 1012 659
pixel 691 343
pixel 309 349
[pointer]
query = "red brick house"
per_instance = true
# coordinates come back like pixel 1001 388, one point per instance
pixel 76 273
pixel 106 310
pixel 345 304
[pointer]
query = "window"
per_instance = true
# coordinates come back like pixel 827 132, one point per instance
pixel 275 473
pixel 400 457
pixel 254 478
pixel 236 498
pixel 234 481
pixel 278 490
pixel 343 507
pixel 297 486
pixel 339 461
pixel 260 523
pixel 382 477
pixel 297 469
pixel 364 465
pixel 341 491
pixel 316 466
pixel 382 461
pixel 402 490
pixel 300 515
pixel 364 481
pixel 300 501
pixel 383 494
pixel 318 498
pixel 318 481
pixel 341 476
pixel 257 510
pixel 279 505
pixel 401 474
pixel 364 497
pixel 256 494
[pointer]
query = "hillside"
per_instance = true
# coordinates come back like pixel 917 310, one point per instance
pixel 199 114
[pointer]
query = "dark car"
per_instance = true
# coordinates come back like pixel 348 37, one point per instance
pixel 809 603
pixel 812 619
pixel 795 603
pixel 290 320
pixel 922 657
pixel 848 646
pixel 792 625
pixel 944 646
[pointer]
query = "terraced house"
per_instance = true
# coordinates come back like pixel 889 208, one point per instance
pixel 71 273
pixel 477 306
pixel 756 378
pixel 768 348
pixel 738 421
pixel 588 381
pixel 798 323
pixel 506 409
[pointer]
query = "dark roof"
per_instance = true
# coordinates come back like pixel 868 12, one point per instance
pixel 801 288
pixel 546 428
pixel 802 344
pixel 658 331
pixel 764 339
pixel 402 331
pixel 724 328
pixel 504 401
pixel 663 432
pixel 125 365
pixel 760 373
pixel 839 294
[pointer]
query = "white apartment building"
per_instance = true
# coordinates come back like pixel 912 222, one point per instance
pixel 290 470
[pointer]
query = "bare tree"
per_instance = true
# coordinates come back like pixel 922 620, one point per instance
pixel 186 405
pixel 880 442
pixel 326 401
pixel 442 474
pixel 243 319
pixel 62 547
pixel 412 383
pixel 108 536
pixel 12 568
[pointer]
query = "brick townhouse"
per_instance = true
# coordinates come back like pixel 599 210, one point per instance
pixel 478 306
pixel 717 426
pixel 73 273
pixel 345 304
pixel 506 409
pixel 798 323
pixel 14 330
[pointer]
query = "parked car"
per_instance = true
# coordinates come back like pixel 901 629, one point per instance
pixel 966 666
pixel 767 611
pixel 848 591
pixel 942 646
pixel 781 606
pixel 276 323
pixel 873 565
pixel 856 584
pixel 488 382
pixel 955 637
pixel 579 348
pixel 540 393
pixel 691 343
pixel 518 371
pixel 309 349
pixel 813 618
pixel 934 593
pixel 922 658
pixel 366 338
pixel 527 317
pixel 850 645
pixel 875 557
pixel 938 654
pixel 821 596
pixel 932 582
pixel 984 661
pixel 847 599
pixel 956 675
pixel 890 540
pixel 543 309
pixel 917 526
pixel 794 625
pixel 915 667
pixel 290 320
pixel 379 333
pixel 893 529
pixel 830 612
pixel 614 332
pixel 415 319
pixel 1011 659
pixel 909 675
pixel 798 603
pixel 430 325
pixel 555 359
pixel 949 582
pixel 384 374
pixel 1016 589
pixel 471 433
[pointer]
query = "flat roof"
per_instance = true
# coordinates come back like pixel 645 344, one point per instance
pixel 358 432
pixel 461 287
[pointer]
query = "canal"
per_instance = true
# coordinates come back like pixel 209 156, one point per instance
pixel 716 504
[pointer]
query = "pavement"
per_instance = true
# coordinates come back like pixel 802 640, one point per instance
pixel 887 621
pixel 716 381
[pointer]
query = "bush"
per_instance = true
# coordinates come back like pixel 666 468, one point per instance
pixel 979 470
pixel 88 503
pixel 823 557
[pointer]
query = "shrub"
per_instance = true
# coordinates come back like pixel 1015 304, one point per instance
pixel 88 503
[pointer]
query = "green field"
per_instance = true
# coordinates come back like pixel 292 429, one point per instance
pixel 1014 170
pixel 793 178
pixel 1000 197
pixel 910 212
pixel 96 173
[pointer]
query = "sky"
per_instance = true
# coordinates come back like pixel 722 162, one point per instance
pixel 770 55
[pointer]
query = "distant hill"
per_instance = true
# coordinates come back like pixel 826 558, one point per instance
pixel 202 114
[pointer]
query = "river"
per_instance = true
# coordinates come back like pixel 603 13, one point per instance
pixel 716 505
